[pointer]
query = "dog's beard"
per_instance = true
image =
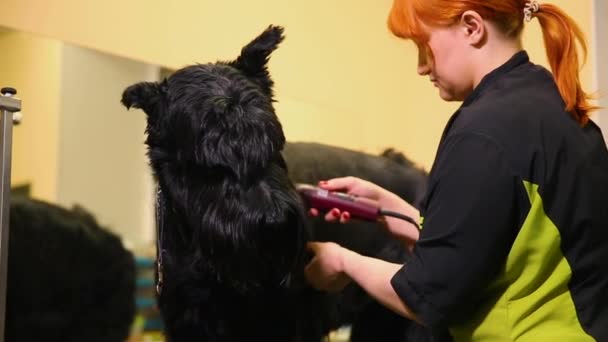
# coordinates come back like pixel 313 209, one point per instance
pixel 247 238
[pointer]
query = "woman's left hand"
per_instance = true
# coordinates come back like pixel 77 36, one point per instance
pixel 325 271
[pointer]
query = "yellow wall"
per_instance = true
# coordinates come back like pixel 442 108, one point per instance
pixel 31 65
pixel 341 78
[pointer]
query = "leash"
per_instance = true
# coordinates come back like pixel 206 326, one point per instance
pixel 160 207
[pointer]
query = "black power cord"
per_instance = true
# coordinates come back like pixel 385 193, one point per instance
pixel 399 216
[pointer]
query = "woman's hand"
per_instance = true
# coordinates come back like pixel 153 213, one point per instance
pixel 333 267
pixel 386 199
pixel 325 271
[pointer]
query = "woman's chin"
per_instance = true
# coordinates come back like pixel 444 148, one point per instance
pixel 445 95
pixel 448 96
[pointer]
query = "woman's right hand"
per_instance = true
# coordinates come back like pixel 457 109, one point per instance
pixel 386 199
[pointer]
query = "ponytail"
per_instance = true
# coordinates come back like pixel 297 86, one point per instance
pixel 561 34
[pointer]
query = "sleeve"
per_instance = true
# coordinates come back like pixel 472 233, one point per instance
pixel 470 220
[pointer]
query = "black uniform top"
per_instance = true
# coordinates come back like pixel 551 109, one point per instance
pixel 514 244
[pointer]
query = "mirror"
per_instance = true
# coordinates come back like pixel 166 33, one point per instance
pixel 82 224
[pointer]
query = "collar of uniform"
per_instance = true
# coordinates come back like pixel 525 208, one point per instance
pixel 518 59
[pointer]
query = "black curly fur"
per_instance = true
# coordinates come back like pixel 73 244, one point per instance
pixel 69 279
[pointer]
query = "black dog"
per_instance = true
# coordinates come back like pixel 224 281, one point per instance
pixel 69 279
pixel 310 162
pixel 232 228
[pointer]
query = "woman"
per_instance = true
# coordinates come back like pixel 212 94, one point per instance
pixel 514 243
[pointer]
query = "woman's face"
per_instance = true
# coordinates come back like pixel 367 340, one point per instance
pixel 448 68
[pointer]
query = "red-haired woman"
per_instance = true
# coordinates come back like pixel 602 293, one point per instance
pixel 514 244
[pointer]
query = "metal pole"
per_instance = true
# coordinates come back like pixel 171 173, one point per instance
pixel 8 106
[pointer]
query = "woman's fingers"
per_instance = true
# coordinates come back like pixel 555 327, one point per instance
pixel 333 215
pixel 313 212
pixel 340 183
pixel 345 217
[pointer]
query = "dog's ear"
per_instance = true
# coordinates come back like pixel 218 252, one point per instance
pixel 254 57
pixel 147 96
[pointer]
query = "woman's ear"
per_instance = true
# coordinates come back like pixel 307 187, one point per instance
pixel 474 27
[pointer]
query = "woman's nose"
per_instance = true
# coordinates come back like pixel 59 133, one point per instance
pixel 423 69
pixel 423 63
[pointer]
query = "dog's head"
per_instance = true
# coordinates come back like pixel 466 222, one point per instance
pixel 211 114
pixel 214 143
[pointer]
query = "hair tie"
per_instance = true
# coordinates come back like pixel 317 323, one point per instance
pixel 532 7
